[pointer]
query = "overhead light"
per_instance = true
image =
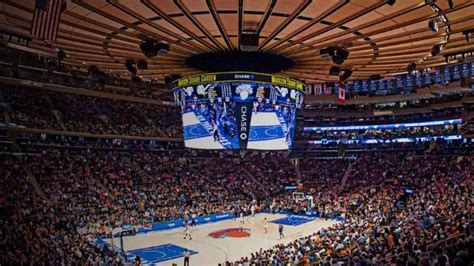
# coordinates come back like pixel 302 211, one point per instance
pixel 151 47
pixel 436 50
pixel 340 54
pixel 390 2
pixel 433 25
pixel 337 54
pixel 347 74
pixel 131 66
pixel 61 54
pixel 327 52
pixel 468 32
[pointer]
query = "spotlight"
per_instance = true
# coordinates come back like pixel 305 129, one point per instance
pixel 347 74
pixel 468 32
pixel 61 55
pixel 340 54
pixel 436 50
pixel 151 47
pixel 131 66
pixel 334 71
pixel 327 52
pixel 433 25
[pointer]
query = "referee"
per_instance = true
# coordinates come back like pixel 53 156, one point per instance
pixel 186 257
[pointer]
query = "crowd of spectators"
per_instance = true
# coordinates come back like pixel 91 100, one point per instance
pixel 385 224
pixel 385 134
pixel 27 66
pixel 47 110
pixel 89 191
pixel 34 232
pixel 92 186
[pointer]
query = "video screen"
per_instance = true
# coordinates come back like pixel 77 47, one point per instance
pixel 238 115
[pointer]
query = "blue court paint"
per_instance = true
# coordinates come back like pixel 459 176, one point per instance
pixel 294 220
pixel 157 254
pixel 260 133
pixel 195 131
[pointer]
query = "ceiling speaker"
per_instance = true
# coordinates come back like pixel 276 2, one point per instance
pixel 131 66
pixel 249 42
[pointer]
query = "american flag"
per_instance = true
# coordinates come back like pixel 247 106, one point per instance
pixel 46 18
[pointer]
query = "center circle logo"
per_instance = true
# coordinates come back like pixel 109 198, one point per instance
pixel 231 232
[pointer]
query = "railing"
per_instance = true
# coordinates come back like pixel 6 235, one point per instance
pixel 85 134
pixel 80 91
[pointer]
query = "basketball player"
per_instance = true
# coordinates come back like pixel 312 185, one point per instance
pixel 193 219
pixel 215 133
pixel 187 231
pixel 280 230
pixel 255 107
pixel 235 213
pixel 252 209
pixel 241 217
pixel 265 224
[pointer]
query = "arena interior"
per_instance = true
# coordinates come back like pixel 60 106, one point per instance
pixel 237 132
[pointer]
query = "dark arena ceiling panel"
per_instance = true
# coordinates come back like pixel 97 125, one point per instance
pixel 381 38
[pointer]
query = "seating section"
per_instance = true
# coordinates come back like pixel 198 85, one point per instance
pixel 36 109
pixel 93 189
pixel 34 232
pixel 383 225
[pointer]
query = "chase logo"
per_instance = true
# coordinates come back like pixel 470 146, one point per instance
pixel 244 76
pixel 231 232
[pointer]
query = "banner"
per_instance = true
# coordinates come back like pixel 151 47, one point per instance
pixel 342 93
pixel 199 220
pixel 243 122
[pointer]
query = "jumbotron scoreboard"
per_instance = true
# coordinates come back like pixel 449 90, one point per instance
pixel 238 110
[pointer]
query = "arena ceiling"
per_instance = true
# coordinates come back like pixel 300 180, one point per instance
pixel 381 38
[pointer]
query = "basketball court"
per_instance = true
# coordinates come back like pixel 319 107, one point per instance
pixel 218 242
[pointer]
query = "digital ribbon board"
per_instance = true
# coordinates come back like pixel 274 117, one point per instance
pixel 238 110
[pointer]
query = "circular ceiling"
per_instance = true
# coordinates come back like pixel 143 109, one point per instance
pixel 236 60
pixel 382 36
